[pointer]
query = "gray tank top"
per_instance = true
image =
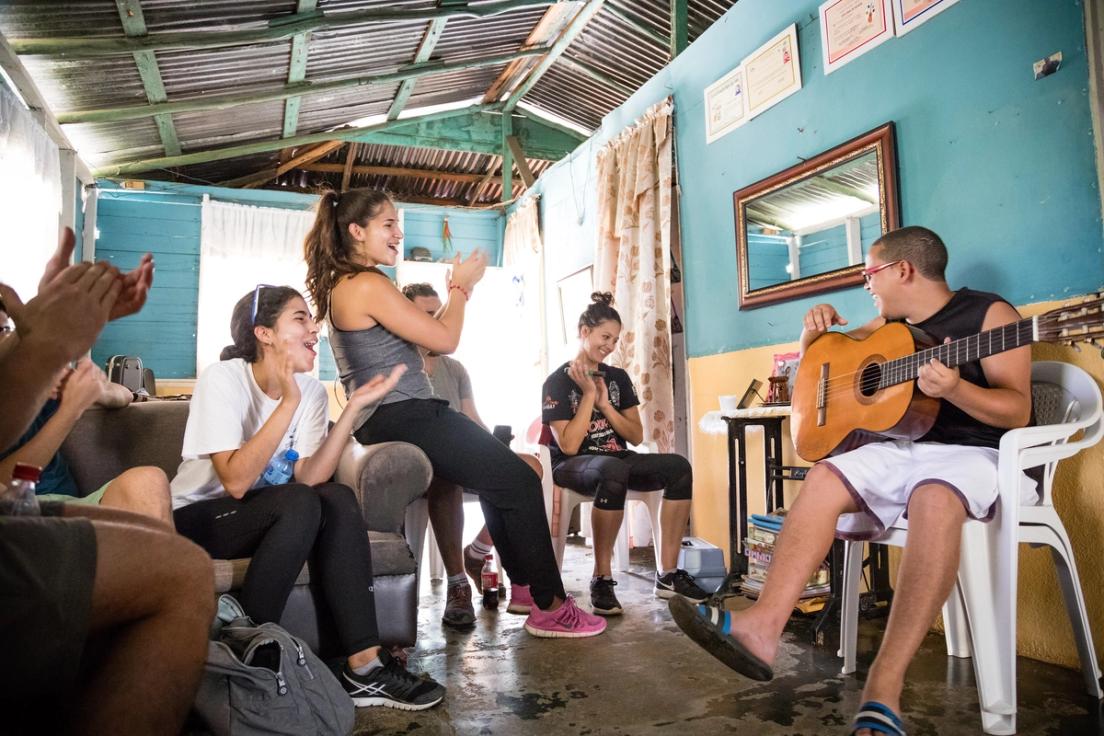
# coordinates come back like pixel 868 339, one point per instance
pixel 362 354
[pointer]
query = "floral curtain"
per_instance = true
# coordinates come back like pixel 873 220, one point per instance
pixel 633 260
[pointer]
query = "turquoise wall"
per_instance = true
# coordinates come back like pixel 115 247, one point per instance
pixel 165 219
pixel 1002 166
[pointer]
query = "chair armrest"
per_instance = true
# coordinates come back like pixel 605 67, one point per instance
pixel 386 478
pixel 1032 446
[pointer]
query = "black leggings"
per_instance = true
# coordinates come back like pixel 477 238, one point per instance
pixel 281 527
pixel 608 477
pixel 464 453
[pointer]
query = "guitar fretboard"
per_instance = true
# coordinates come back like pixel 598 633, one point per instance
pixel 964 350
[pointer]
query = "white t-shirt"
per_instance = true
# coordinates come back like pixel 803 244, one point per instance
pixel 227 409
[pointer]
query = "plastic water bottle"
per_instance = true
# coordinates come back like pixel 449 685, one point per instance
pixel 19 498
pixel 489 579
pixel 280 469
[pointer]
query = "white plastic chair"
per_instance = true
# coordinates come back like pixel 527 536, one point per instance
pixel 980 614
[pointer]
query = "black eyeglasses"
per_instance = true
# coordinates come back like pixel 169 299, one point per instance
pixel 256 300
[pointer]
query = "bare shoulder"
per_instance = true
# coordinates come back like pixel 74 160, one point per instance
pixel 1000 313
pixel 357 297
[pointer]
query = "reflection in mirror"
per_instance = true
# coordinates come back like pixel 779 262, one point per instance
pixel 823 223
pixel 808 228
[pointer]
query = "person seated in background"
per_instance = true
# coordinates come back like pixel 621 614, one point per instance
pixel 142 490
pixel 592 411
pixel 450 382
pixel 231 497
pixel 106 614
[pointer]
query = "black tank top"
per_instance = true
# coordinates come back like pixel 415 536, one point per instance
pixel 963 315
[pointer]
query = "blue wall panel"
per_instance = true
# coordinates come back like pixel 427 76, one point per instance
pixel 165 219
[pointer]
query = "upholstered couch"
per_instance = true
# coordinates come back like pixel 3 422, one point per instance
pixel 106 442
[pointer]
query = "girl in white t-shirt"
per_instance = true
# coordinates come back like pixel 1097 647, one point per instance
pixel 246 412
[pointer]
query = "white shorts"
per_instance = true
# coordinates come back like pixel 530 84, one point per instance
pixel 882 476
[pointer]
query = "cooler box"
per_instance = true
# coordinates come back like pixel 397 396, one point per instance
pixel 704 561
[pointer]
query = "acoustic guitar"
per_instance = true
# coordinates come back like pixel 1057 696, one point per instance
pixel 849 392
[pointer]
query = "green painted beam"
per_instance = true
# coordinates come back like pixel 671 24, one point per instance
pixel 297 68
pixel 134 25
pixel 425 48
pixel 84 46
pixel 680 19
pixel 248 149
pixel 507 159
pixel 533 116
pixel 479 133
pixel 574 28
pixel 645 29
pixel 598 75
pixel 221 102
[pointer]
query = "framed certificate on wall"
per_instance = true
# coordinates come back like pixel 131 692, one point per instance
pixel 909 14
pixel 772 72
pixel 725 105
pixel 850 28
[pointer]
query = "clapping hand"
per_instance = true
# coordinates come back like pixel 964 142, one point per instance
pixel 582 379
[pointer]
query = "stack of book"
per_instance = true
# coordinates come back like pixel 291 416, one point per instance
pixel 763 531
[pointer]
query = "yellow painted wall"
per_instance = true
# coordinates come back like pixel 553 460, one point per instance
pixel 1044 632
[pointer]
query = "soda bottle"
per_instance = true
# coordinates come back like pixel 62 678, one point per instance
pixel 281 469
pixel 489 579
pixel 19 498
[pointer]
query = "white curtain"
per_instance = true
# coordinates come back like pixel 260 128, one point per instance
pixel 523 259
pixel 633 260
pixel 242 246
pixel 30 195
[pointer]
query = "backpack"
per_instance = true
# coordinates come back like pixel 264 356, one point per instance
pixel 259 679
pixel 126 370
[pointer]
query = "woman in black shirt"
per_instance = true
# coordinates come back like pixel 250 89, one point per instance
pixel 591 409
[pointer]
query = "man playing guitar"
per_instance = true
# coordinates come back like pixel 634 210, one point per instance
pixel 935 482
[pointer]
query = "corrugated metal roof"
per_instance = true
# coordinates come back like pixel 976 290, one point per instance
pixel 609 45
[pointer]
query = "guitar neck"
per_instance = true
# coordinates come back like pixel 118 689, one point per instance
pixel 964 350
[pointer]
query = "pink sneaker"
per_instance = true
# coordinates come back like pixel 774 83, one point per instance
pixel 566 622
pixel 520 600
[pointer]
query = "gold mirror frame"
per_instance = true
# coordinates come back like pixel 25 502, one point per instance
pixel 882 141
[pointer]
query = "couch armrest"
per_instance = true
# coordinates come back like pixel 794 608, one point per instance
pixel 386 478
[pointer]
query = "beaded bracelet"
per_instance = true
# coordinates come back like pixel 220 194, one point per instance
pixel 462 290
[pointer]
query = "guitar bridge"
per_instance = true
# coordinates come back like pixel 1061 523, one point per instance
pixel 822 396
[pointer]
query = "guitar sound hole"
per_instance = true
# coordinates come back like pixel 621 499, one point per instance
pixel 869 379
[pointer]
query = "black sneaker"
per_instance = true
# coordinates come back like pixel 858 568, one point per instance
pixel 392 686
pixel 602 599
pixel 681 583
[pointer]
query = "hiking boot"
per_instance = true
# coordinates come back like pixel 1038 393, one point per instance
pixel 459 613
pixel 391 686
pixel 473 566
pixel 566 622
pixel 681 583
pixel 520 599
pixel 602 599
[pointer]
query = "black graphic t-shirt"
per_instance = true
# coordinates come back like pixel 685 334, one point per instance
pixel 561 401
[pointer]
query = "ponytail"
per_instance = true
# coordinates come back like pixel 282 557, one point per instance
pixel 329 247
pixel 599 311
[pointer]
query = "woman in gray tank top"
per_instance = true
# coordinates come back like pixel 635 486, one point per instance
pixel 374 327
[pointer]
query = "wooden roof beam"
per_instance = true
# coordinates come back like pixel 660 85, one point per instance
pixel 680 33
pixel 519 160
pixel 569 34
pixel 347 169
pixel 425 49
pixel 134 25
pixel 544 32
pixel 460 176
pixel 277 30
pixel 297 68
pixel 221 102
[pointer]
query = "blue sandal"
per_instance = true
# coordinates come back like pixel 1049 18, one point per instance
pixel 877 718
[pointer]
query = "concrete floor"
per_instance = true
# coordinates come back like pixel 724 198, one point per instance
pixel 643 676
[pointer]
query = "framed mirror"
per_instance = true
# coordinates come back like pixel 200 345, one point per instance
pixel 807 229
